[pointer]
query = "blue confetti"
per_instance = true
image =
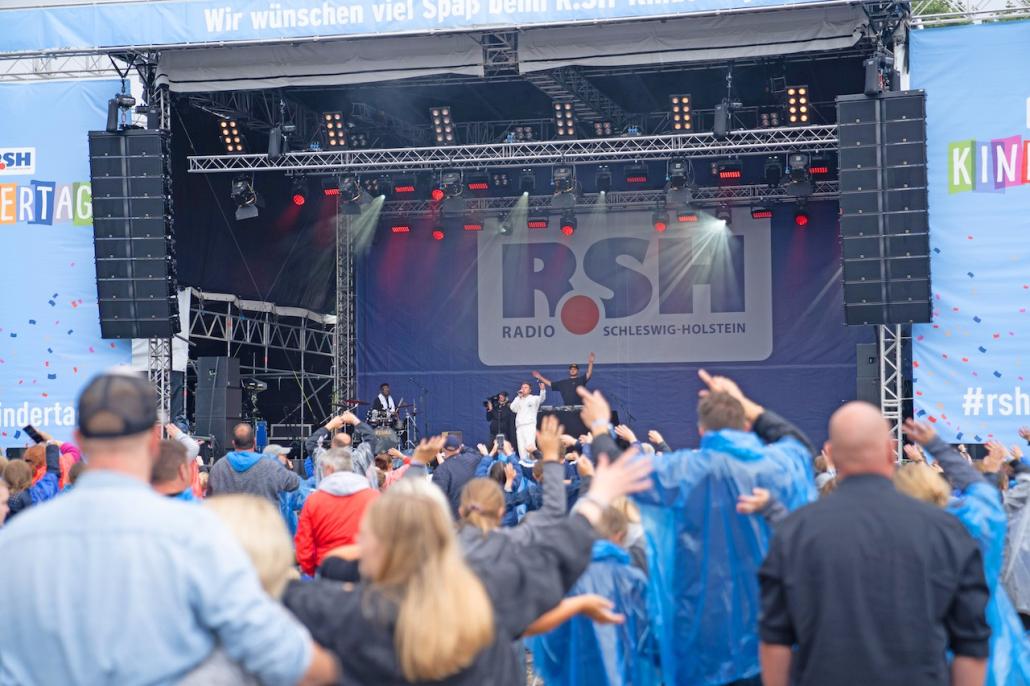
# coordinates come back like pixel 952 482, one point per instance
pixel 978 439
pixel 51 376
pixel 977 320
pixel 937 250
pixel 958 435
pixel 970 274
pixel 982 349
pixel 921 413
pixel 54 296
pixel 70 331
pixel 32 321
pixel 50 350
pixel 17 433
pixel 52 303
pixel 14 335
pixel 997 374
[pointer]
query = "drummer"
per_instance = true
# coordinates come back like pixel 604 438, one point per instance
pixel 384 403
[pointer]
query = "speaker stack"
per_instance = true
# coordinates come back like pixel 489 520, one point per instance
pixel 883 203
pixel 132 233
pixel 219 401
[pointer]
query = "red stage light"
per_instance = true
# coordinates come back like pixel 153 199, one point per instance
pixel 801 218
pixel 819 170
pixel 472 226
pixel 400 228
pixel 299 199
pixel 407 189
pixel 761 213
pixel 537 223
pixel 636 179
pixel 437 194
pixel 479 186
pixel 331 192
pixel 660 226
pixel 730 174
pixel 568 229
pixel 686 217
pixel 437 234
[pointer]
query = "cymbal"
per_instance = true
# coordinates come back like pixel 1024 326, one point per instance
pixel 354 401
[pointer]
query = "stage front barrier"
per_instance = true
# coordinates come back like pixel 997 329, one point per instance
pixel 971 371
pixel 50 341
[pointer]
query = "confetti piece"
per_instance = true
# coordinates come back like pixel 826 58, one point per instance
pixel 21 381
pixel 977 320
pixel 959 435
pixel 54 295
pixel 52 303
pixel 919 338
pixel 51 376
pixel 17 433
pixel 915 364
pixel 997 374
pixel 981 349
pixel 978 439
pixel 74 304
pixel 921 413
pixel 45 395
pixel 46 363
pixel 93 351
pixel 969 238
pixel 75 370
pixel 944 355
pixel 70 331
pixel 954 309
pixel 933 420
pixel 113 345
pixel 970 275
pixel 937 250
pixel 919 393
pixel 50 350
pixel 14 335
pixel 997 335
pixel 32 321
pixel 965 359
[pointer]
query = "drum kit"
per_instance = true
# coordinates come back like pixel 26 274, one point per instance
pixel 400 422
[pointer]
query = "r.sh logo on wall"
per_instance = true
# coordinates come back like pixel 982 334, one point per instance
pixel 17 161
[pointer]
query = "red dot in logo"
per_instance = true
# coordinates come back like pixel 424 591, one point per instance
pixel 580 315
pixel 3 166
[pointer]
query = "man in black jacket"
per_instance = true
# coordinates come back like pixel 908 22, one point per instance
pixel 501 418
pixel 870 586
pixel 456 470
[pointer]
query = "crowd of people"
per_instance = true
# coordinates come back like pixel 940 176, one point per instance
pixel 605 559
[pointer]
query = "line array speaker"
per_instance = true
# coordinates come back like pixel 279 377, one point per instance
pixel 884 221
pixel 219 401
pixel 132 233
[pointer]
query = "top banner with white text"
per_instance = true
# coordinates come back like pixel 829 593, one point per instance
pixel 178 22
pixel 971 366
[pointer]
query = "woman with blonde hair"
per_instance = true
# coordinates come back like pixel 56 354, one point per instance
pixel 422 613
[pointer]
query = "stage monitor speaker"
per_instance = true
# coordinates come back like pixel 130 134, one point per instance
pixel 130 178
pixel 219 401
pixel 884 219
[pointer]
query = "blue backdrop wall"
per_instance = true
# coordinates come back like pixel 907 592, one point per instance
pixel 472 315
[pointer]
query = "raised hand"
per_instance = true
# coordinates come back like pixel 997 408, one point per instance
pixel 996 455
pixel 350 418
pixel 567 441
pixel 482 449
pixel 756 502
pixel 625 433
pixel 599 609
pixel 548 438
pixel 427 449
pixel 1024 433
pixel 509 476
pixel 173 431
pixel 655 437
pixel 596 410
pixel 628 474
pixel 920 432
pixel 591 358
pixel 1016 452
pixel 508 448
pixel 723 384
pixel 913 453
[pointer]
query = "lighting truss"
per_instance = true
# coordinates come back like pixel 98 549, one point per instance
pixel 531 153
pixel 540 205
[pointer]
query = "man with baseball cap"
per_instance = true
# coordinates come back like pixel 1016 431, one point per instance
pixel 114 583
pixel 457 469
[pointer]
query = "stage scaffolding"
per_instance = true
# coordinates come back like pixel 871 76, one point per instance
pixel 274 344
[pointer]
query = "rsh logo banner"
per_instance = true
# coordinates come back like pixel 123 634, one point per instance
pixel 17 161
pixel 695 293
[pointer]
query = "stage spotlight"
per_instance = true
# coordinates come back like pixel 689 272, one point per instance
pixel 722 122
pixel 797 166
pixel 437 194
pixel 636 174
pixel 564 120
pixel 687 217
pixel 521 134
pixel 819 165
pixel 438 233
pixel 299 191
pixel 681 116
pixel 350 190
pixel 660 220
pixel 769 118
pixel 603 178
pixel 449 186
pixel 761 212
pixel 568 223
pixel 796 105
pixel 723 214
pixel 728 172
pixel 478 181
pixel 245 197
pixel 773 173
pixel 443 125
pixel 801 216
pixel 501 180
pixel 377 185
pixel 403 185
pixel 400 228
pixel 330 186
pixel 677 174
pixel 527 181
pixel 358 139
pixel 563 179
pixel 229 132
pixel 472 224
pixel 537 223
pixel 603 129
pixel 335 130
pixel 505 228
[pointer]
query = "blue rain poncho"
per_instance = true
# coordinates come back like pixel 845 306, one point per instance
pixel 704 557
pixel 583 653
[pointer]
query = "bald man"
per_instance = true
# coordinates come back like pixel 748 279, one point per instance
pixel 869 586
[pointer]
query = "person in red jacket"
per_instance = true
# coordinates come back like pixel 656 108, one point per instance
pixel 332 513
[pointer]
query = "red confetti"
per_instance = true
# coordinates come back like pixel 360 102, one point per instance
pixel 944 355
pixel 965 359
pixel 46 363
pixel 954 309
pixel 75 369
pixel 997 335
pixel 933 420
pixel 919 338
pixel 915 364
pixel 21 381
pixel 919 393
pixel 969 238
pixel 45 395
pixel 91 349
pixel 112 345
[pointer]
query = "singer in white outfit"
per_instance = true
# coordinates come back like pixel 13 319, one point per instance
pixel 525 407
